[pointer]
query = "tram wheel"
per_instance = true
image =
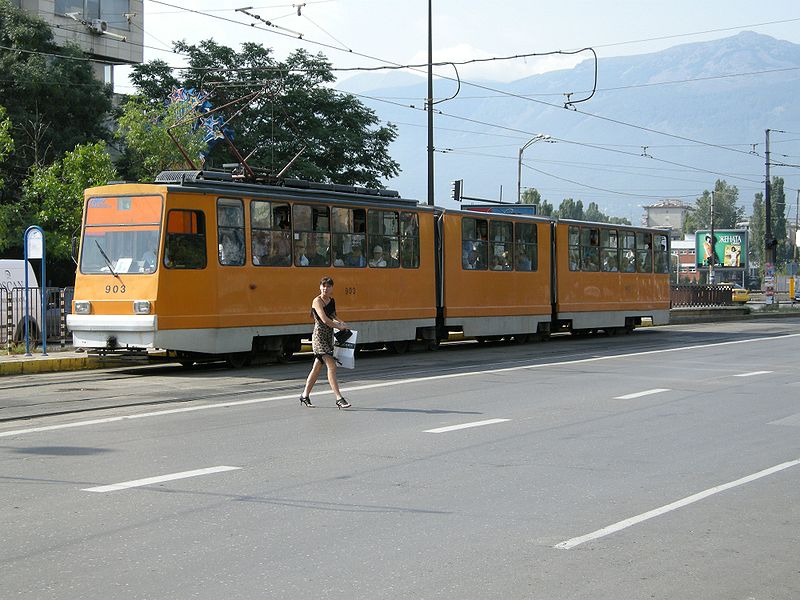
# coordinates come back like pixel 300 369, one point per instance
pixel 519 338
pixel 399 347
pixel 237 360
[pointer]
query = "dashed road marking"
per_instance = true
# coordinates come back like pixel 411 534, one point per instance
pixel 619 526
pixel 160 479
pixel 750 374
pixel 640 394
pixel 465 425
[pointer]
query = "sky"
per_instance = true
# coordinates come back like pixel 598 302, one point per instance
pixel 396 30
pixel 369 33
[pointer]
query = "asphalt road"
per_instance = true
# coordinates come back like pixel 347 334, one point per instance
pixel 664 464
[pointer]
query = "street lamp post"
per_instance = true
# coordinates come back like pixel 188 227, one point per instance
pixel 537 138
pixel 677 268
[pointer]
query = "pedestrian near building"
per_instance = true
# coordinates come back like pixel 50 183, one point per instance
pixel 323 309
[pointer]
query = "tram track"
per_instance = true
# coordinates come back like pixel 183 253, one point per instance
pixel 144 384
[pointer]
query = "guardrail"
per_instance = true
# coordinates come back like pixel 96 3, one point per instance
pixel 53 325
pixel 701 295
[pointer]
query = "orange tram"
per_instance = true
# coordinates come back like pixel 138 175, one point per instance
pixel 204 266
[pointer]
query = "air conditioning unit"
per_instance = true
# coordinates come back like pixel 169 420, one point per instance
pixel 99 26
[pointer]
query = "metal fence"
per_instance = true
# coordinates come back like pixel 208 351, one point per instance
pixel 701 295
pixel 58 303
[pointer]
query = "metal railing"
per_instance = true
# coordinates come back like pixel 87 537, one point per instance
pixel 701 296
pixel 58 303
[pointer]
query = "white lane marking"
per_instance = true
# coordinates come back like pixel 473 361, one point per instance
pixel 465 425
pixel 576 541
pixel 753 373
pixel 161 478
pixel 791 421
pixel 389 383
pixel 640 394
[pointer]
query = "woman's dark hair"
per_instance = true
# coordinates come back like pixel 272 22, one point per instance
pixel 326 281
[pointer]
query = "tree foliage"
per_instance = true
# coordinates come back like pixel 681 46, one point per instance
pixel 570 209
pixel 53 195
pixel 144 127
pixel 341 139
pixel 777 198
pixel 50 93
pixel 6 141
pixel 727 213
pixel 756 250
pixel 532 196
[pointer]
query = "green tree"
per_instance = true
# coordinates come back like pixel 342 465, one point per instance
pixel 570 209
pixel 53 195
pixel 144 127
pixel 726 212
pixel 756 250
pixel 50 93
pixel 530 196
pixel 593 213
pixel 53 103
pixel 777 199
pixel 6 141
pixel 297 109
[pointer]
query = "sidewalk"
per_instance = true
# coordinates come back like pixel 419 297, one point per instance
pixel 56 360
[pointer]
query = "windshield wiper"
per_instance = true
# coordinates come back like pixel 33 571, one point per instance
pixel 108 260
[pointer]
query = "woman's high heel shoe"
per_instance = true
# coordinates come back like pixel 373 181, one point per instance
pixel 306 401
pixel 342 403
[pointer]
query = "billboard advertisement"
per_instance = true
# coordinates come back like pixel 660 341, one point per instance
pixel 728 248
pixel 507 209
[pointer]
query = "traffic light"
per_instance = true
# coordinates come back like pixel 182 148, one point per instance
pixel 457 186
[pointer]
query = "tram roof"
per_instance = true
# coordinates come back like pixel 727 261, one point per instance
pixel 222 182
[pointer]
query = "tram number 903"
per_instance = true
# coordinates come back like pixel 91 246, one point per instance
pixel 350 291
pixel 115 289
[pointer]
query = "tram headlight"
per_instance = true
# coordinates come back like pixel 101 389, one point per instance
pixel 83 307
pixel 141 307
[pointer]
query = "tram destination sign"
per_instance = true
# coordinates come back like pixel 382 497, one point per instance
pixel 728 248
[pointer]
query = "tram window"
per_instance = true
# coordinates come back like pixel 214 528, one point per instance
pixel 526 257
pixel 661 252
pixel 121 234
pixel 383 237
pixel 271 234
pixel 409 240
pixel 474 244
pixel 230 231
pixel 609 250
pixel 644 252
pixel 574 248
pixel 501 253
pixel 348 239
pixel 312 239
pixel 627 257
pixel 185 244
pixel 590 249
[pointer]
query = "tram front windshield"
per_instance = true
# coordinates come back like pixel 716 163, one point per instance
pixel 121 235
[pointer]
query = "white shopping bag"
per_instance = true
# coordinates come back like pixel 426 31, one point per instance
pixel 344 352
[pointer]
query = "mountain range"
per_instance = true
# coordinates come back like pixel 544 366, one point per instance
pixel 664 125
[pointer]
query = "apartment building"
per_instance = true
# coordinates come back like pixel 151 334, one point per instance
pixel 109 31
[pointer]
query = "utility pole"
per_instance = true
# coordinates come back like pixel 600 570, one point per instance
pixel 796 223
pixel 712 259
pixel 430 105
pixel 769 245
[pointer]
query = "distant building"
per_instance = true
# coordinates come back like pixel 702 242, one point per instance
pixel 668 214
pixel 109 31
pixel 686 257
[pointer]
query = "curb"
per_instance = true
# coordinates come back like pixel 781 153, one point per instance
pixel 33 365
